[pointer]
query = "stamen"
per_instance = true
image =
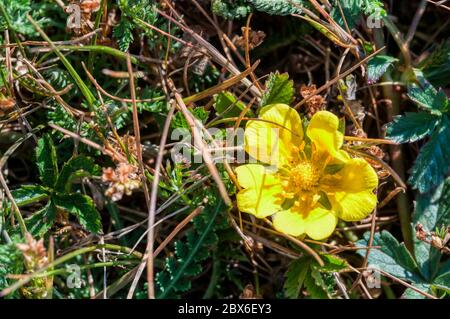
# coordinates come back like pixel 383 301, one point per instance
pixel 302 151
pixel 301 178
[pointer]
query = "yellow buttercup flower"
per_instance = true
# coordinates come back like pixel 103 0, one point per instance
pixel 305 181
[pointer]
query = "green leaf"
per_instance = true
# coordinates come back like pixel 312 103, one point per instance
pixel 332 263
pixel 295 276
pixel 279 89
pixel 442 281
pixel 227 105
pixel 17 11
pixel 123 33
pixel 377 66
pixel 431 166
pixel 188 255
pixel 445 268
pixel 76 167
pixel 40 222
pixel 231 10
pixel 83 208
pixel 411 127
pixel 432 211
pixel 427 97
pixel 28 194
pixel 315 286
pixel 373 7
pixel 60 79
pixel 305 271
pixel 323 281
pixel 352 13
pixel 278 7
pixel 412 294
pixel 354 9
pixel 179 121
pixel 391 257
pixel 436 66
pixel 11 262
pixel 46 160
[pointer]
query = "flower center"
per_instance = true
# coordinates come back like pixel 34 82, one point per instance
pixel 304 176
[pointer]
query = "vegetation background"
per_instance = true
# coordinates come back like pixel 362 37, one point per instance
pixel 90 91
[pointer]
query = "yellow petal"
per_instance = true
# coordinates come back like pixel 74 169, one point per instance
pixel 255 175
pixel 320 223
pixel 289 222
pixel 323 132
pixel 353 189
pixel 260 196
pixel 357 175
pixel 270 139
pixel 354 206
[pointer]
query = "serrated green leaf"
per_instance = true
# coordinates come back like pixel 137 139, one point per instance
pixel 391 257
pixel 179 121
pixel 46 160
pixel 412 294
pixel 183 285
pixel 231 10
pixel 320 282
pixel 82 207
pixel 171 265
pixel 181 250
pixel 377 66
pixel 76 167
pixel 28 194
pixel 10 263
pixel 40 222
pixel 279 89
pixel 352 12
pixel 123 32
pixel 432 211
pixel 431 166
pixel 411 127
pixel 193 269
pixel 374 7
pixel 278 7
pixel 315 290
pixel 306 269
pixel 180 271
pixel 295 276
pixel 332 263
pixel 427 97
pixel 17 11
pixel 162 278
pixel 354 9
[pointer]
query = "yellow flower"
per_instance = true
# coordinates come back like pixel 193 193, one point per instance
pixel 307 182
